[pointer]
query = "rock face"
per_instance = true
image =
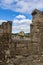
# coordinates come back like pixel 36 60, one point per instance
pixel 37 37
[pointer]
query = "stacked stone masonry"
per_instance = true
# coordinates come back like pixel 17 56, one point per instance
pixel 22 52
pixel 37 37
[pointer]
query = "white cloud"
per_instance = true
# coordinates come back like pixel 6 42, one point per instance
pixel 21 25
pixel 27 21
pixel 2 21
pixel 7 1
pixel 23 6
pixel 20 16
pixel 19 28
pixel 22 19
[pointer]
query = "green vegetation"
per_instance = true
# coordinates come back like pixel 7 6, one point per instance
pixel 21 34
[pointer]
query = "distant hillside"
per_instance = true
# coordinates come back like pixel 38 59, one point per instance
pixel 21 34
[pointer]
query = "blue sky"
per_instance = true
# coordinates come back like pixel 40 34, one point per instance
pixel 19 12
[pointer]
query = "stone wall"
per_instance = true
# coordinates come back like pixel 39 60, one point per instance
pixel 13 52
pixel 20 51
pixel 6 27
pixel 37 37
pixel 5 41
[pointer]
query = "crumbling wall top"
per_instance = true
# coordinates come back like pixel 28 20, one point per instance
pixel 36 11
pixel 6 27
pixel 37 16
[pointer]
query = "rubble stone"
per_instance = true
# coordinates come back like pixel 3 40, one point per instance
pixel 22 52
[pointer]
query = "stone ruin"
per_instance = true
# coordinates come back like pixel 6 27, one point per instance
pixel 5 41
pixel 22 52
pixel 37 37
